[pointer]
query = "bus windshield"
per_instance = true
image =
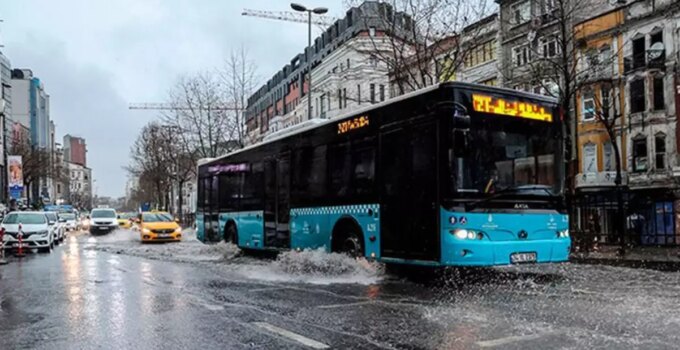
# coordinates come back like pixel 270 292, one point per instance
pixel 499 154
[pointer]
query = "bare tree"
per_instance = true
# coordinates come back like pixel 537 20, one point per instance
pixel 239 76
pixel 424 41
pixel 151 159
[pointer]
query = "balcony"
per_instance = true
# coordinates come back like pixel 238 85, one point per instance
pixel 601 179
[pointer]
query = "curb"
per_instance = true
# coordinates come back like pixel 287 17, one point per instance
pixel 666 266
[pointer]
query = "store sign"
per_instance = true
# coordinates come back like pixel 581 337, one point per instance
pixel 352 124
pixel 15 179
pixel 501 106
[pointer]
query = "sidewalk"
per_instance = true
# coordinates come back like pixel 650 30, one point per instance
pixel 656 258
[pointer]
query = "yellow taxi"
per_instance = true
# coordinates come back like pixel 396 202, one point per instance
pixel 125 220
pixel 158 226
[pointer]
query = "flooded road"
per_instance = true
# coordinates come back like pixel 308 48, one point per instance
pixel 111 292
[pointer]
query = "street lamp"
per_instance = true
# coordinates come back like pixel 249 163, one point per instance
pixel 318 11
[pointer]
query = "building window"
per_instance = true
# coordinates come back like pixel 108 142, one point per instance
pixel 490 82
pixel 588 106
pixel 657 37
pixel 637 95
pixel 549 47
pixel 608 152
pixel 371 31
pixel 481 54
pixel 521 55
pixel 589 158
pixel 659 103
pixel 348 63
pixel 344 96
pixel 639 154
pixel 605 92
pixel 639 52
pixel 372 93
pixel 521 12
pixel 660 151
pixel 359 94
pixel 382 92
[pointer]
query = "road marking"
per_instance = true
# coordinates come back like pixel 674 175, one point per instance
pixel 511 339
pixel 333 306
pixel 267 289
pixel 293 336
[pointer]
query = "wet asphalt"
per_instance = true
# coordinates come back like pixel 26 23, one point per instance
pixel 81 297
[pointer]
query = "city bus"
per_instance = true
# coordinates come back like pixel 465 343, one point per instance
pixel 456 174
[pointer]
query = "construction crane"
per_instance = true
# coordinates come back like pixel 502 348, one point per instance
pixel 172 107
pixel 321 21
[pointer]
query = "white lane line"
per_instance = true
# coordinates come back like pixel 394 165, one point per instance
pixel 511 339
pixel 333 306
pixel 293 336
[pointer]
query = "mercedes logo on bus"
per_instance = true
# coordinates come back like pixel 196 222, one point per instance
pixel 523 234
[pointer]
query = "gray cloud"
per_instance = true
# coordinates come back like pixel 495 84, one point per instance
pixel 95 56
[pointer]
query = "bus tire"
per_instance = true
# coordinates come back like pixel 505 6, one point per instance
pixel 348 239
pixel 230 233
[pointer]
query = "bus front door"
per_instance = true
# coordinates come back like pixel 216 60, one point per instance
pixel 408 208
pixel 211 219
pixel 277 202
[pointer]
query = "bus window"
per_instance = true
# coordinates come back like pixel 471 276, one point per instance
pixel 363 170
pixel 309 174
pixel 339 170
pixel 253 182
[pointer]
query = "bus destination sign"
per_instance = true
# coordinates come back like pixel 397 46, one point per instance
pixel 501 106
pixel 352 124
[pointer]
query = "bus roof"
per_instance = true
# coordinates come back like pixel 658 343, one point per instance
pixel 371 107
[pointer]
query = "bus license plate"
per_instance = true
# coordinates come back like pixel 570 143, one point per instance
pixel 519 258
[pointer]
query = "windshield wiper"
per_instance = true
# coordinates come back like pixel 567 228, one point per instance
pixel 510 189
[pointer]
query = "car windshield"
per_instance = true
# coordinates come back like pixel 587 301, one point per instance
pixel 25 218
pixel 51 216
pixel 127 215
pixel 103 214
pixel 157 217
pixel 67 216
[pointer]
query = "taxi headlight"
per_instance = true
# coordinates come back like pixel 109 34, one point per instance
pixel 146 230
pixel 178 230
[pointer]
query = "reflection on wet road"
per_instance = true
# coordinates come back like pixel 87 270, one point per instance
pixel 113 293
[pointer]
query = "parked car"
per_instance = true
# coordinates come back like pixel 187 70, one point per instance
pixel 35 229
pixel 70 221
pixel 103 220
pixel 55 226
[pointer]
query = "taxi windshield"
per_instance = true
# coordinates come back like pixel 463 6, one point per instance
pixel 157 217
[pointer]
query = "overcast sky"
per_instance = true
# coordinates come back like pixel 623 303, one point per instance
pixel 96 56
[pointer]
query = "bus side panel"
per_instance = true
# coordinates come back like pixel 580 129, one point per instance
pixel 200 227
pixel 250 227
pixel 312 228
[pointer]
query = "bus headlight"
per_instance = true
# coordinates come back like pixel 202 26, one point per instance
pixel 563 234
pixel 462 233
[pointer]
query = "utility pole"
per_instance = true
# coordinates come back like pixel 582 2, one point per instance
pixel 318 11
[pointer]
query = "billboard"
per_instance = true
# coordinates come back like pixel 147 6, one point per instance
pixel 15 177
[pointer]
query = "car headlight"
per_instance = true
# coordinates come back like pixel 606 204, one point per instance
pixel 563 233
pixel 146 230
pixel 462 233
pixel 42 233
pixel 178 230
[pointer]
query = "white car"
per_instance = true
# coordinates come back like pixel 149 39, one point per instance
pixel 55 226
pixel 71 223
pixel 36 233
pixel 103 220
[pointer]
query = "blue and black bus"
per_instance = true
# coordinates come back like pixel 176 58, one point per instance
pixel 452 175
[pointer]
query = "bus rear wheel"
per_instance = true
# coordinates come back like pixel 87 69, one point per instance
pixel 230 234
pixel 351 245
